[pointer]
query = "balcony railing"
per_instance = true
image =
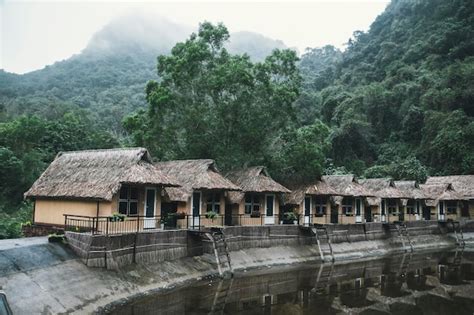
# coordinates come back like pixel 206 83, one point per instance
pixel 132 224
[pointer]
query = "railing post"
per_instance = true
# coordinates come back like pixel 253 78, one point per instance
pixel 107 227
pixel 138 223
pixel 65 222
pixel 93 224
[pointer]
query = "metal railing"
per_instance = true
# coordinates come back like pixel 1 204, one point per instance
pixel 132 224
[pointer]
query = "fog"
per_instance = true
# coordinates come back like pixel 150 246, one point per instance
pixel 37 33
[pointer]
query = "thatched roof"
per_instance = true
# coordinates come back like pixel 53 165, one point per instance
pixel 463 184
pixel 347 185
pixel 253 179
pixel 382 188
pixel 318 188
pixel 411 189
pixel 193 175
pixel 440 191
pixel 96 174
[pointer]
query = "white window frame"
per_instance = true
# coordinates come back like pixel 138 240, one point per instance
pixel 320 206
pixel 344 206
pixel 129 200
pixel 252 204
pixel 215 203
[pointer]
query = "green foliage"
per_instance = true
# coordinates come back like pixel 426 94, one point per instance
pixel 211 215
pixel 211 104
pixel 300 153
pixel 402 92
pixel 11 221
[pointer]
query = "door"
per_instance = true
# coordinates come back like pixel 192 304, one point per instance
pixel 383 211
pixel 167 211
pixel 269 209
pixel 358 204
pixel 194 220
pixel 228 214
pixel 368 214
pixel 401 212
pixel 441 211
pixel 426 213
pixel 417 210
pixel 150 207
pixel 307 210
pixel 334 214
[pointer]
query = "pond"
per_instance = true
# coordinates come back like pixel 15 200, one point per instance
pixel 427 283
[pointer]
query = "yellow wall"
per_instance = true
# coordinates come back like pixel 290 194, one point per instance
pixel 52 211
pixel 315 220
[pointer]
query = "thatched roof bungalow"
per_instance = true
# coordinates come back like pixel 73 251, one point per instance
pixel 312 201
pixel 259 191
pixel 411 189
pixel 203 189
pixel 194 175
pixel 444 199
pixel 440 192
pixel 382 188
pixel 88 183
pixel 463 184
pixel 351 199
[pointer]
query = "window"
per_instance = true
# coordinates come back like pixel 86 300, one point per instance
pixel 411 206
pixel 252 204
pixel 214 202
pixel 347 206
pixel 392 206
pixel 451 207
pixel 128 200
pixel 320 205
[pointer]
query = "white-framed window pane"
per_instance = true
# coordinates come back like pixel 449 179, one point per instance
pixel 133 208
pixel 123 207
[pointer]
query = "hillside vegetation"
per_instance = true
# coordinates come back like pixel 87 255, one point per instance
pixel 399 101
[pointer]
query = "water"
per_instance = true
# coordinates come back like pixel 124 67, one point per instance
pixel 429 283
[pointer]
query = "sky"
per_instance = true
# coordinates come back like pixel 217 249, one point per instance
pixel 37 33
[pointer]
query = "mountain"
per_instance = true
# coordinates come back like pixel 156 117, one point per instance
pixel 108 76
pixel 400 97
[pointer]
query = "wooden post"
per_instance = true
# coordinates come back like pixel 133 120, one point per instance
pixel 97 221
pixel 65 222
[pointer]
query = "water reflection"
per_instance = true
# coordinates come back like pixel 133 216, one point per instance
pixel 324 289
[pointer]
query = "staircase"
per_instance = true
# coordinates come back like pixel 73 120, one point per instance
pixel 458 234
pixel 220 296
pixel 404 236
pixel 325 248
pixel 221 251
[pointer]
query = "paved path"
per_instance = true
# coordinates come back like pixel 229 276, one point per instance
pixel 21 242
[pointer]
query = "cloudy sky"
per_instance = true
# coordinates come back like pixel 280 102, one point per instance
pixel 37 33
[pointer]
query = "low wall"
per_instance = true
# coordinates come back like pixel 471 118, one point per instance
pixel 356 240
pixel 119 250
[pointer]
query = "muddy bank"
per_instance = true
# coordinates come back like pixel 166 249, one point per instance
pixel 41 277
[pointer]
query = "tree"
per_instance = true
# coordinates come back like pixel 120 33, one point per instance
pixel 301 153
pixel 211 104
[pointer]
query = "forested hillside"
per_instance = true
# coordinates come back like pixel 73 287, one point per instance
pixel 398 101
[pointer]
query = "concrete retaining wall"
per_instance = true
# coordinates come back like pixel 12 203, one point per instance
pixel 115 251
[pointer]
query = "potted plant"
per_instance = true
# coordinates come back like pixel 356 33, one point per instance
pixel 290 218
pixel 117 217
pixel 211 215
